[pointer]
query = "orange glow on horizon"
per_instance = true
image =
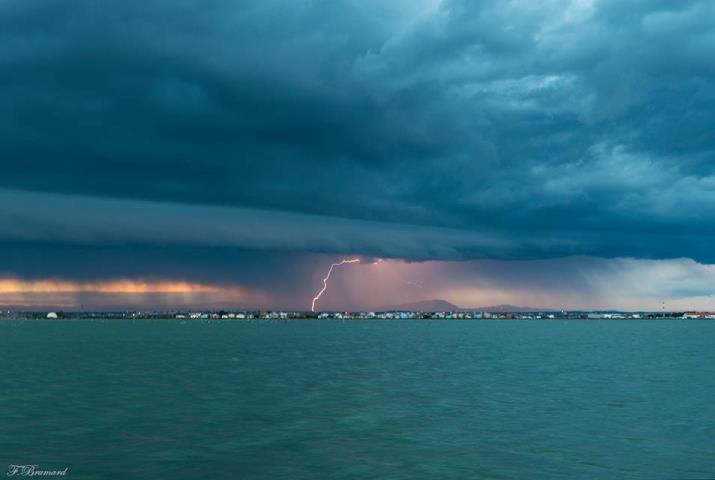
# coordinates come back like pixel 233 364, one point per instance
pixel 14 285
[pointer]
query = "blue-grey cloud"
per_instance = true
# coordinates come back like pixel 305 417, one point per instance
pixel 36 217
pixel 452 129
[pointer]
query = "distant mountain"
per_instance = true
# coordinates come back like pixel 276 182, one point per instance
pixel 507 308
pixel 423 306
pixel 438 305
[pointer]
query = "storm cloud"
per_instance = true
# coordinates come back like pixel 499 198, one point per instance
pixel 418 130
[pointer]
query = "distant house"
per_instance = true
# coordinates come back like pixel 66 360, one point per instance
pixel 52 315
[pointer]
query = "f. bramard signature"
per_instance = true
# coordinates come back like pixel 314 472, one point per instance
pixel 33 471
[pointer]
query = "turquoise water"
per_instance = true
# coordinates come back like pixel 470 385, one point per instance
pixel 360 399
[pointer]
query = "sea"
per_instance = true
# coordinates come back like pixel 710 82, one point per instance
pixel 358 399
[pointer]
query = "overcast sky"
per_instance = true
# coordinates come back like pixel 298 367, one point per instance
pixel 223 153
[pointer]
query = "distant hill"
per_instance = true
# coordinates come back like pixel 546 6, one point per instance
pixel 438 305
pixel 423 306
pixel 507 308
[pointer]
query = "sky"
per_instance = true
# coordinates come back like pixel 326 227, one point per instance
pixel 222 154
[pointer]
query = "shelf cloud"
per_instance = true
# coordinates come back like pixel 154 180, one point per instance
pixel 265 132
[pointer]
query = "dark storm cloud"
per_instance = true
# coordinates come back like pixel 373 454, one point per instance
pixel 408 129
pixel 34 217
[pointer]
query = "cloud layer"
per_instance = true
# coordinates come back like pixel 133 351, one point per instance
pixel 261 130
pixel 573 117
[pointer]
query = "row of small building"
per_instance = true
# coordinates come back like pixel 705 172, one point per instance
pixel 413 315
pixel 393 315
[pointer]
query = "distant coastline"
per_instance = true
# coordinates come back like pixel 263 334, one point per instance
pixel 258 315
pixel 422 310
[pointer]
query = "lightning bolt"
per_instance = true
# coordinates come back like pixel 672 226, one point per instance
pixel 327 277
